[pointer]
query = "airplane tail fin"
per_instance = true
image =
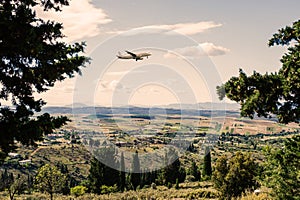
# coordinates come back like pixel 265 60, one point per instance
pixel 119 54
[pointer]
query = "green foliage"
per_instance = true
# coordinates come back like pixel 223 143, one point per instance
pixel 6 180
pixel 177 184
pixel 49 179
pixel 70 180
pixel 108 189
pixel 148 177
pixel 173 169
pixel 195 172
pixel 78 190
pixel 276 93
pixel 234 176
pixel 32 58
pixel 169 185
pixel 207 169
pixel 135 175
pixel 122 173
pixel 13 184
pixel 282 169
pixel 103 174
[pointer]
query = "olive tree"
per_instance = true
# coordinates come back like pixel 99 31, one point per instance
pixel 49 179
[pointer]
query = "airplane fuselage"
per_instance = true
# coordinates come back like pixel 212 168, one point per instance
pixel 135 56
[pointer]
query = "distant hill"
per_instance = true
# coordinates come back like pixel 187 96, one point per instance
pixel 207 106
pixel 77 105
pixel 201 109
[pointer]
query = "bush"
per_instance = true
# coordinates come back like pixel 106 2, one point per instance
pixel 189 178
pixel 233 176
pixel 108 189
pixel 78 190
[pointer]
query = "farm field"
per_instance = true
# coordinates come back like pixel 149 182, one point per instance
pixel 75 144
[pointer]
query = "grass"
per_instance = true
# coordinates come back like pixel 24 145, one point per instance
pixel 186 191
pixel 200 190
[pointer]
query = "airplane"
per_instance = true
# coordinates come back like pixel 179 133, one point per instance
pixel 136 56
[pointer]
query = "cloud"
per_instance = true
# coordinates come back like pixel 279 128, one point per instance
pixel 181 28
pixel 203 49
pixel 81 19
pixel 110 85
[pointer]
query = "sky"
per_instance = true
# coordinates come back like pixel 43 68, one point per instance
pixel 195 46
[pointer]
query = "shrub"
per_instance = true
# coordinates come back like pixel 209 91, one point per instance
pixel 189 178
pixel 108 189
pixel 78 190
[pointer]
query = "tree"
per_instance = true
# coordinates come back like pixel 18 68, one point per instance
pixel 275 93
pixel 173 169
pixel 6 179
pixel 136 170
pixel 49 179
pixel 234 176
pixel 95 177
pixel 32 58
pixel 13 184
pixel 219 175
pixel 282 169
pixel 122 173
pixel 70 180
pixel 194 171
pixel 103 173
pixel 207 170
pixel 17 186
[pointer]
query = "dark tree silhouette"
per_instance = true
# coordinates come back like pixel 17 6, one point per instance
pixel 136 170
pixel 207 169
pixel 122 173
pixel 173 169
pixel 195 172
pixel 32 58
pixel 104 169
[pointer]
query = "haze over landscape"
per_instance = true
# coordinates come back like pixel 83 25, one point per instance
pixel 217 38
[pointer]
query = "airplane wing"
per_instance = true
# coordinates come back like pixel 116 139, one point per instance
pixel 132 54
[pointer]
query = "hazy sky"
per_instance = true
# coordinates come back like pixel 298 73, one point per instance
pixel 196 45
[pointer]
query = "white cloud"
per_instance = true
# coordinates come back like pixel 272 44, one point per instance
pixel 81 19
pixel 203 49
pixel 181 28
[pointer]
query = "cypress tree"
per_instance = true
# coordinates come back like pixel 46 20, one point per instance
pixel 104 174
pixel 207 169
pixel 194 171
pixel 173 169
pixel 122 173
pixel 135 175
